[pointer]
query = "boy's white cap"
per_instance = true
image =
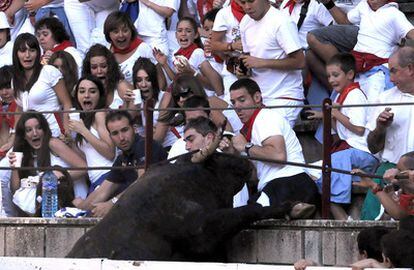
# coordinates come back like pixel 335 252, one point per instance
pixel 3 21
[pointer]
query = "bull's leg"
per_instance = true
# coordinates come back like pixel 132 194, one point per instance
pixel 222 224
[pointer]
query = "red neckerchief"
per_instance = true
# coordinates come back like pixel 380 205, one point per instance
pixel 218 59
pixel 247 128
pixel 204 6
pixel 346 91
pixel 366 61
pixel 291 5
pixel 187 52
pixel 132 46
pixel 407 203
pixel 237 10
pixel 62 46
pixel 9 118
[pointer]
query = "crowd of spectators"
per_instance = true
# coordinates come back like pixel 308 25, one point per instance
pixel 64 55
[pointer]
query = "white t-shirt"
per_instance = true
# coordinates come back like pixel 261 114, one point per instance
pixel 42 96
pixel 78 56
pixel 347 5
pixel 269 123
pixel 273 37
pixel 150 23
pixel 178 148
pixel 170 137
pixel 357 116
pixel 398 139
pixel 225 21
pixel 117 102
pixel 6 54
pixel 380 31
pixel 316 17
pixel 143 50
pixel 94 158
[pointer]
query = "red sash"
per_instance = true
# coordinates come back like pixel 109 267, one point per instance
pixel 204 6
pixel 237 10
pixel 291 5
pixel 175 132
pixel 407 203
pixel 9 118
pixel 346 91
pixel 340 145
pixel 60 122
pixel 218 59
pixel 62 46
pixel 366 61
pixel 247 128
pixel 187 52
pixel 132 46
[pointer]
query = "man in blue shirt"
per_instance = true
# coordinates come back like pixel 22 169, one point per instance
pixel 119 125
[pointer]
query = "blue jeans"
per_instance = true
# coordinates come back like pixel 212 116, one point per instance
pixel 59 12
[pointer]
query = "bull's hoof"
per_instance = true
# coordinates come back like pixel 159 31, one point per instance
pixel 302 211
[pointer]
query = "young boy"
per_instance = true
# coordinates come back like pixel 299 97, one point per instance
pixel 351 150
pixel 7 105
pixel 382 27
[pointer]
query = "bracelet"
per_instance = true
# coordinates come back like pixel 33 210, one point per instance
pixel 196 73
pixel 329 5
pixel 377 189
pixel 114 200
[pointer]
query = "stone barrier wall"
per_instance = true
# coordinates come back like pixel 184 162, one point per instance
pixel 327 242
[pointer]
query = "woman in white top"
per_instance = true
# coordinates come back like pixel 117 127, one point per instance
pixel 40 149
pixel 145 79
pixel 195 62
pixel 38 87
pixel 92 136
pixel 101 63
pixel 126 46
pixel 6 46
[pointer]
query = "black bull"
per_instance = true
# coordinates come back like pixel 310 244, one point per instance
pixel 176 212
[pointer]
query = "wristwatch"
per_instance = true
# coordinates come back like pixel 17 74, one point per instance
pixel 247 147
pixel 114 200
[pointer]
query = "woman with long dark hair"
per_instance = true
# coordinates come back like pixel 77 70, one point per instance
pixel 92 136
pixel 34 139
pixel 145 79
pixel 101 63
pixel 38 87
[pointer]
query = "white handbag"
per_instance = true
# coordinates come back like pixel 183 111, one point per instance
pixel 25 196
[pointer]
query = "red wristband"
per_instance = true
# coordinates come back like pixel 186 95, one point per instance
pixel 377 189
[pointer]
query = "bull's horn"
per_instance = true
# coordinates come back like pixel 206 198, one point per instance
pixel 201 155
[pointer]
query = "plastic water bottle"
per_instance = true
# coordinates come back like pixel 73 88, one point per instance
pixel 49 195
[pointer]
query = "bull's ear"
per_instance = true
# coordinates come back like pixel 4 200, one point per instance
pixel 205 152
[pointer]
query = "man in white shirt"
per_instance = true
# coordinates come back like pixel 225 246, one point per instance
pixel 276 55
pixel 266 134
pixel 390 126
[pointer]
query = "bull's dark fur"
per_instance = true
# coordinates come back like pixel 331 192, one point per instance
pixel 176 212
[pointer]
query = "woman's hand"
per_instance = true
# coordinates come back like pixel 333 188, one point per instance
pixel 12 159
pixel 129 96
pixel 77 126
pixel 160 56
pixel 185 68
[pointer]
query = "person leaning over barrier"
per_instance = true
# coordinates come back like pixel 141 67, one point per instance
pixel 390 125
pixel 121 131
pixel 266 134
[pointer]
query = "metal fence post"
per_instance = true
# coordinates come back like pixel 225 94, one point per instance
pixel 327 143
pixel 149 130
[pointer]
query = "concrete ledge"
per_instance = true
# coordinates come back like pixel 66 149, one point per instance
pixel 328 242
